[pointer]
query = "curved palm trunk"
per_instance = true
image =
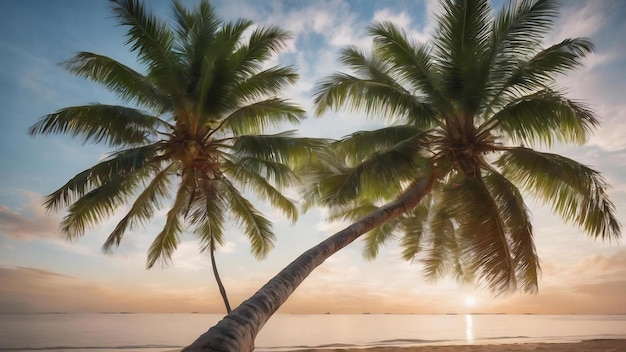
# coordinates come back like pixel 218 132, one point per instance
pixel 217 278
pixel 237 331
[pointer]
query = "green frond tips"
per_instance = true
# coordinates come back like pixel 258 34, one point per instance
pixel 544 117
pixel 378 237
pixel 282 147
pixel 112 170
pixel 253 174
pixel 142 209
pixel 150 37
pixel 516 218
pixel 574 191
pixel 112 124
pixel 257 228
pixel 128 84
pixel 165 243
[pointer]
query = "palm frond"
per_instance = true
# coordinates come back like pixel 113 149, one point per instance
pixel 112 124
pixel 372 90
pixel 261 84
pixel 263 43
pixel 517 32
pixel 378 237
pixel 462 44
pixel 410 61
pixel 128 84
pixel 194 29
pixel 167 240
pixel 277 173
pixel 478 231
pixel 282 147
pixel 351 213
pixel 113 168
pixel 413 229
pixel 208 215
pixel 545 117
pixel 379 177
pixel 142 209
pixel 440 245
pixel 257 228
pixel 574 191
pixel 152 40
pixel 357 146
pixel 252 180
pixel 515 215
pixel 101 202
pixel 519 28
pixel 259 116
pixel 541 70
pixel 404 139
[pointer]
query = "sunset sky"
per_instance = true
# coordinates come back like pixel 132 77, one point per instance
pixel 41 272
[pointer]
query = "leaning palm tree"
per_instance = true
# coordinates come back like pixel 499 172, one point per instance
pixel 195 137
pixel 445 175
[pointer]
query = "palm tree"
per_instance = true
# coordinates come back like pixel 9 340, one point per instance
pixel 203 102
pixel 459 107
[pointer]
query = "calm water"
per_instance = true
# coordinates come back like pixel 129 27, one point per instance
pixel 163 332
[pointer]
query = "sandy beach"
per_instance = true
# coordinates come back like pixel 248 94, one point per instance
pixel 609 345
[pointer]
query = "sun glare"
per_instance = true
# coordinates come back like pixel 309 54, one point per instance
pixel 470 301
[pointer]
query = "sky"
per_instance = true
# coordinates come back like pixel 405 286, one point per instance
pixel 42 272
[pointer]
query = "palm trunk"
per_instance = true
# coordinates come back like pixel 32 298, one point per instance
pixel 237 331
pixel 217 277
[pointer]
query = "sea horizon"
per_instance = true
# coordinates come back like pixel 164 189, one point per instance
pixel 159 332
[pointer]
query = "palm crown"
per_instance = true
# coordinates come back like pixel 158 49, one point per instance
pixel 204 101
pixel 462 109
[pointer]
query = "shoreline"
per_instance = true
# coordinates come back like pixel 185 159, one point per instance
pixel 596 345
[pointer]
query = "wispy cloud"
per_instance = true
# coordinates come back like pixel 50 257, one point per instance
pixel 28 223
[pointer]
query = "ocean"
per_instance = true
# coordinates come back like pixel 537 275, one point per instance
pixel 167 332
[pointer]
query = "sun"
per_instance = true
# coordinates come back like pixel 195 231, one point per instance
pixel 470 301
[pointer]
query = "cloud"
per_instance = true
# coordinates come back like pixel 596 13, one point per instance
pixel 28 223
pixel 26 290
pixel 579 21
pixel 228 247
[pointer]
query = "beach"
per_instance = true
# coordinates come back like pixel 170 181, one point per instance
pixel 608 345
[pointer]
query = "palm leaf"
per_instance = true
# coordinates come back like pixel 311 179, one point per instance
pixel 440 243
pixel 142 209
pixel 261 84
pixel 101 202
pixel 575 191
pixel 410 61
pixel 358 145
pixel 516 218
pixel 257 228
pixel 282 147
pixel 263 43
pixel 116 166
pixel 462 43
pixel 517 32
pixel 373 91
pixel 250 179
pixel 544 117
pixel 112 124
pixel 382 173
pixel 277 173
pixel 208 215
pixel 128 84
pixel 153 42
pixel 413 229
pixel 167 240
pixel 260 116
pixel 378 237
pixel 544 67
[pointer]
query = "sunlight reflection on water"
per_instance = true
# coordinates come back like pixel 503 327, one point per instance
pixel 469 328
